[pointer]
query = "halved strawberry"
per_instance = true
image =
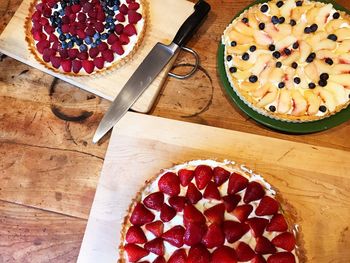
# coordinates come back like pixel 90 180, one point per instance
pixel 135 235
pixel 264 246
pixel 198 254
pixel 179 256
pixel 159 259
pixel 156 228
pixel 177 202
pixel 236 183
pixel 231 201
pixel 141 215
pixel 185 176
pixel 224 254
pixel 254 191
pixel 88 66
pixel 174 236
pixel 155 246
pixel 258 259
pixel 211 191
pixel 220 175
pixel 76 65
pixel 281 257
pixel 202 175
pixel 167 213
pixel 192 215
pixel 66 65
pixel 169 184
pixel 214 237
pixel 285 240
pixel 154 201
pixel 242 212
pixel 215 214
pixel 234 230
pixel 194 234
pixel 134 252
pixel 244 252
pixel 257 225
pixel 277 223
pixel 267 206
pixel 193 194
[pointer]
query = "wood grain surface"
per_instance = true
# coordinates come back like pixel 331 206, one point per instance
pixel 42 117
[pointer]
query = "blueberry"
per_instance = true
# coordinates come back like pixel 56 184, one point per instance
pixel 98 41
pixel 253 78
pixel 307 30
pixel 115 8
pixel 88 40
pixel 59 30
pixel 97 35
pixel 229 58
pixel 61 12
pixel 323 108
pixel 55 6
pixel 299 3
pixel 93 45
pixel 56 14
pixel 313 27
pixel 70 44
pixel 336 15
pixel 311 57
pixel 296 45
pixel 281 85
pixel 264 8
pixel 83 48
pixel 62 37
pixel 324 76
pixel 312 85
pixel 281 20
pixel 292 22
pixel 275 20
pixel 332 37
pixel 233 43
pixel 233 69
pixel 272 47
pixel 79 41
pixel 278 64
pixel 52 19
pixel 68 36
pixel 104 36
pixel 276 54
pixel 279 4
pixel 245 56
pixel 297 80
pixel 287 51
pixel 272 108
pixel 329 61
pixel 252 48
pixel 294 65
pixel 245 20
pixel 262 26
pixel 109 19
pixel 322 83
pixel 64 45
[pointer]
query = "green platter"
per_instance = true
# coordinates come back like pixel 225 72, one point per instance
pixel 288 127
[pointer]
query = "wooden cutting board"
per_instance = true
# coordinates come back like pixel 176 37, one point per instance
pixel 315 180
pixel 165 18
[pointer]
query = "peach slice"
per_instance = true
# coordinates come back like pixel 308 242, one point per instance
pixel 342 33
pixel 284 30
pixel 276 75
pixel 269 97
pixel 303 78
pixel 299 103
pixel 323 54
pixel 249 87
pixel 299 11
pixel 289 77
pixel 260 64
pixel 253 22
pixel 327 97
pixel 262 17
pixel 305 50
pixel 284 101
pixel 262 38
pixel 245 74
pixel 311 15
pixel 333 25
pixel 342 79
pixel 323 14
pixel 340 69
pixel 264 75
pixel 312 72
pixel 298 30
pixel 239 38
pixel 287 8
pixel 261 91
pixel 272 31
pixel 244 29
pixel 285 42
pixel 313 102
pixel 344 47
pixel 322 67
pixel 238 50
pixel 325 44
pixel 241 64
pixel 344 59
pixel 316 38
pixel 288 60
pixel 338 91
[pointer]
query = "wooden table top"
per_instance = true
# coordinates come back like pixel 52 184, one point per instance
pixel 49 167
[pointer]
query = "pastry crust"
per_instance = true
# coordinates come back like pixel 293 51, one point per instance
pixel 286 209
pixel 338 102
pixel 117 63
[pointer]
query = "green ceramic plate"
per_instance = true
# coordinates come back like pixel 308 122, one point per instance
pixel 296 128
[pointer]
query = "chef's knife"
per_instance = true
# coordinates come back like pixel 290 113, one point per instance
pixel 149 69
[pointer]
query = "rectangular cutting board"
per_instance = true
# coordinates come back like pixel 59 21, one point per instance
pixel 315 180
pixel 164 19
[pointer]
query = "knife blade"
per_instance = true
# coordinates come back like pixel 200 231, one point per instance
pixel 148 70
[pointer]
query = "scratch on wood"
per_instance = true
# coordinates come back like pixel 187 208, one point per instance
pixel 83 116
pixel 52 87
pixel 48 125
pixel 71 138
pixel 23 72
pixel 343 234
pixel 285 154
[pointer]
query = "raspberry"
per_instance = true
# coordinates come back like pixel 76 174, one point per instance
pixel 108 55
pixel 112 39
pixel 123 9
pixel 117 48
pixel 76 66
pixel 124 39
pixel 55 61
pixel 93 52
pixel 88 66
pixel 134 17
pixel 102 46
pixel 130 30
pixel 119 28
pixel 66 65
pixel 120 17
pixel 99 62
pixel 41 45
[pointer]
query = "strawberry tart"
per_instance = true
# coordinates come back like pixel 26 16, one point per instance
pixel 206 211
pixel 290 60
pixel 82 37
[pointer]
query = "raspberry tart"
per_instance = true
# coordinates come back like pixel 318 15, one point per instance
pixel 205 211
pixel 83 37
pixel 290 60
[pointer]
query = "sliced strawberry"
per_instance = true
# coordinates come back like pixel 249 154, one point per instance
pixel 236 183
pixel 214 237
pixel 159 259
pixel 134 17
pixel 264 246
pixel 194 234
pixel 179 256
pixel 66 65
pixel 254 191
pixel 55 61
pixel 258 259
pixel 220 175
pixel 244 252
pixel 257 225
pixel 211 191
pixel 277 223
pixel 99 62
pixel 215 214
pixel 135 235
pixel 285 240
pixel 108 55
pixel 177 202
pixel 242 212
pixel 174 236
pixel 141 215
pixel 198 254
pixel 202 175
pixel 169 184
pixel 156 228
pixel 192 215
pixel 185 176
pixel 231 201
pixel 267 206
pixel 130 30
pixel 155 246
pixel 134 252
pixel 224 254
pixel 193 194
pixel 167 213
pixel 76 65
pixel 154 201
pixel 117 48
pixel 281 257
pixel 234 230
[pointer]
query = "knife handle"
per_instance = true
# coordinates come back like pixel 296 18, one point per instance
pixel 189 27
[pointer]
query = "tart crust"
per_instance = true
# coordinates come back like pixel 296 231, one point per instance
pixel 117 63
pixel 286 209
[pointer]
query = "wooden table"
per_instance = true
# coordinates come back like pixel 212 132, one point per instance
pixel 49 167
